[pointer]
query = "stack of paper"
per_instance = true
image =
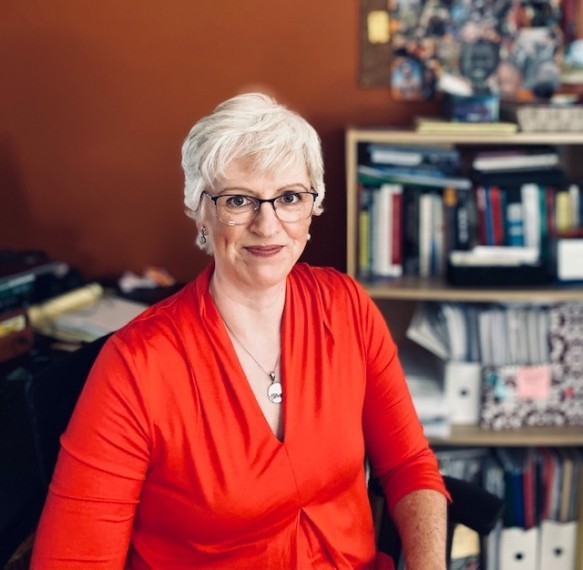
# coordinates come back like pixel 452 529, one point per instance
pixel 424 375
pixel 102 317
pixel 428 330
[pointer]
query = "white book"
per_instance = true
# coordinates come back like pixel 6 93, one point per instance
pixel 382 232
pixel 531 215
pixel 515 162
pixel 426 211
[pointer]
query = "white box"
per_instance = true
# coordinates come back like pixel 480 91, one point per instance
pixel 570 259
pixel 463 392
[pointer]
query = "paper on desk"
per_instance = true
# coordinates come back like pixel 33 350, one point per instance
pixel 102 317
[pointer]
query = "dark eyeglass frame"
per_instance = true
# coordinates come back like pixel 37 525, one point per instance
pixel 260 201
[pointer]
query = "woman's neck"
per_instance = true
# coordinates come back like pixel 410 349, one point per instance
pixel 242 309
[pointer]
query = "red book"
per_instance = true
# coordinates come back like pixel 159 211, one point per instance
pixel 497 215
pixel 481 214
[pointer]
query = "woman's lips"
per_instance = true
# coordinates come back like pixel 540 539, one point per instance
pixel 264 250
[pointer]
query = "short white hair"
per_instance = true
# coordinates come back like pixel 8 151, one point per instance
pixel 249 126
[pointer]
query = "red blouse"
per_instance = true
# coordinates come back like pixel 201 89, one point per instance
pixel 169 463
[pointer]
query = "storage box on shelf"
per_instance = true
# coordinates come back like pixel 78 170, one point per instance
pixel 397 294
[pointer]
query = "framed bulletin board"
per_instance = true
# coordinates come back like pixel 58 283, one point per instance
pixel 511 48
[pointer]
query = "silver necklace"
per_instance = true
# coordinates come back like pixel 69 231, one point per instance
pixel 274 390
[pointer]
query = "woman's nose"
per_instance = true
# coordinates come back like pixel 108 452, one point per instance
pixel 266 220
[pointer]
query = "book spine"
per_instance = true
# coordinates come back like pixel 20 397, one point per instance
pixel 364 233
pixel 481 215
pixel 438 242
pixel 411 230
pixel 495 195
pixel 425 234
pixel 465 220
pixel 562 211
pixel 397 230
pixel 550 196
pixel 531 215
pixel 514 229
pixel 544 236
pixel 450 205
pixel 574 194
pixel 383 233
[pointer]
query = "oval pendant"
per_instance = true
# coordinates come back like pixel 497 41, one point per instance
pixel 275 393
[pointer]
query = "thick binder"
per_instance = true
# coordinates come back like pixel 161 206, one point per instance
pixel 504 406
pixel 519 549
pixel 558 545
pixel 462 392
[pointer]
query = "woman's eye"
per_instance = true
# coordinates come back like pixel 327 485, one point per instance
pixel 288 199
pixel 238 201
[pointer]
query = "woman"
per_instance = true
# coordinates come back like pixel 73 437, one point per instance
pixel 227 426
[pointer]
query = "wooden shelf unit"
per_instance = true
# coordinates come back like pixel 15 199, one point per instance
pixel 396 297
pixel 560 436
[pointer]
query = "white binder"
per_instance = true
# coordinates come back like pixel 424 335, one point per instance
pixel 558 545
pixel 519 549
pixel 463 391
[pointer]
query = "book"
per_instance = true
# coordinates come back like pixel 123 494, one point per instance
pixel 397 230
pixel 386 234
pixel 380 174
pixel 426 234
pixel 465 220
pixel 441 126
pixel 450 204
pixel 364 229
pixel 443 157
pixel 496 200
pixel 501 160
pixel 410 230
pixel 531 215
pixel 514 226
pixel 563 215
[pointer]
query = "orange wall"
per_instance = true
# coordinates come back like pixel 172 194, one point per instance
pixel 96 98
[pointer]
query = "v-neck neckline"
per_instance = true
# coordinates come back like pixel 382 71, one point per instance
pixel 245 391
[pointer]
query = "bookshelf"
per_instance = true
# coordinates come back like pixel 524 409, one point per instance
pixel 397 296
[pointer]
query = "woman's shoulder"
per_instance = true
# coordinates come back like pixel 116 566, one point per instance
pixel 159 319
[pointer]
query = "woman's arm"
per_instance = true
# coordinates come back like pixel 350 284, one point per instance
pixel 421 518
pixel 399 453
pixel 88 515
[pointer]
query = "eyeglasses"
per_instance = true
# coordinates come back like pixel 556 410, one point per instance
pixel 238 209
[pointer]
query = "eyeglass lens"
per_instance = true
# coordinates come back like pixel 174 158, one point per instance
pixel 241 209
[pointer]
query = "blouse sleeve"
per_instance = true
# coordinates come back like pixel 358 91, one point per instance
pixel 399 453
pixel 88 515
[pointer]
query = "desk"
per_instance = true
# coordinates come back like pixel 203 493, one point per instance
pixel 36 401
pixel 21 488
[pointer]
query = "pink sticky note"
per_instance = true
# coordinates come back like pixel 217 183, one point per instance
pixel 533 382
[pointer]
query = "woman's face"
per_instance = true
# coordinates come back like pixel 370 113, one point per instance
pixel 261 253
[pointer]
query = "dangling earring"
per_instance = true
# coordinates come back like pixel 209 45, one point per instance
pixel 203 235
pixel 309 237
